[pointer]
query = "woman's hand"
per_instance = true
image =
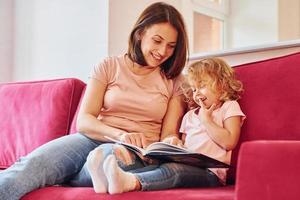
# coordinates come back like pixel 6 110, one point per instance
pixel 137 139
pixel 173 140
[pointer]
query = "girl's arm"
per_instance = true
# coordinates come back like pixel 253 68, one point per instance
pixel 172 120
pixel 227 137
pixel 87 122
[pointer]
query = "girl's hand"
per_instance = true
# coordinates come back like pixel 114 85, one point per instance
pixel 137 139
pixel 173 140
pixel 205 114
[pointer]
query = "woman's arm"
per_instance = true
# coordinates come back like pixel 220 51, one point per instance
pixel 87 122
pixel 172 120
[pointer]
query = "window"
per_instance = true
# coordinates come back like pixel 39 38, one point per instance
pixel 207 24
pixel 208 33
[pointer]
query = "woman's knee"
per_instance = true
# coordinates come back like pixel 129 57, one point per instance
pixel 103 149
pixel 121 153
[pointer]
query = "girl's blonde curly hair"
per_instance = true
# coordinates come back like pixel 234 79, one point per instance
pixel 220 77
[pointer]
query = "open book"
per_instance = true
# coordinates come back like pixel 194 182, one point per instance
pixel 165 152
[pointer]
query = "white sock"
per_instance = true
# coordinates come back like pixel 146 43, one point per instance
pixel 119 181
pixel 95 168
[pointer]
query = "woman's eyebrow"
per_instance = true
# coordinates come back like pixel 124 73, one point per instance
pixel 164 39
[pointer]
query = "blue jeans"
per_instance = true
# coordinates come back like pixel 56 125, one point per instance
pixel 56 162
pixel 174 175
pixel 62 161
pixel 158 176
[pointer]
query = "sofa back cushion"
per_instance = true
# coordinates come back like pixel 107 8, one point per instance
pixel 33 113
pixel 270 101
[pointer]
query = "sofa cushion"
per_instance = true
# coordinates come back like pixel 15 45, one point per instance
pixel 270 101
pixel 33 113
pixel 83 193
pixel 270 168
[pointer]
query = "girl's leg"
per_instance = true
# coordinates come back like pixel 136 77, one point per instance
pixel 173 175
pixel 52 163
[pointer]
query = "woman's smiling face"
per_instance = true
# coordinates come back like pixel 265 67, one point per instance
pixel 158 43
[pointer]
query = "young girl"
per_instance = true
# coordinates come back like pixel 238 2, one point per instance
pixel 212 128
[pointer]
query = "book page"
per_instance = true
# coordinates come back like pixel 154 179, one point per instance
pixel 130 146
pixel 162 146
pixel 156 146
pixel 165 152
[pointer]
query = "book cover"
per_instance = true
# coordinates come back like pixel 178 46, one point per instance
pixel 165 152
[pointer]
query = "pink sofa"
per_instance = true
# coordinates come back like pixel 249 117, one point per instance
pixel 265 165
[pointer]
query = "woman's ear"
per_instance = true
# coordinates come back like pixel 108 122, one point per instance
pixel 139 35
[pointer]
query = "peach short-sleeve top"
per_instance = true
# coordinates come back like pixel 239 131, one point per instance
pixel 134 103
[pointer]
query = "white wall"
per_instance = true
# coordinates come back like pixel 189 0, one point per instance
pixel 23 40
pixel 6 40
pixel 59 38
pixel 65 38
pixel 252 22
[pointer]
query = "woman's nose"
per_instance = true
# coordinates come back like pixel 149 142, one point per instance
pixel 162 50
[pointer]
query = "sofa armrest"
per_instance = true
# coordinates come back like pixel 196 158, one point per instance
pixel 268 170
pixel 35 112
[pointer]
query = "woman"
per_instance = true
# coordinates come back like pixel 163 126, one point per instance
pixel 133 98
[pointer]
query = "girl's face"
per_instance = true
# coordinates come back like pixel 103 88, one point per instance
pixel 202 91
pixel 158 43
